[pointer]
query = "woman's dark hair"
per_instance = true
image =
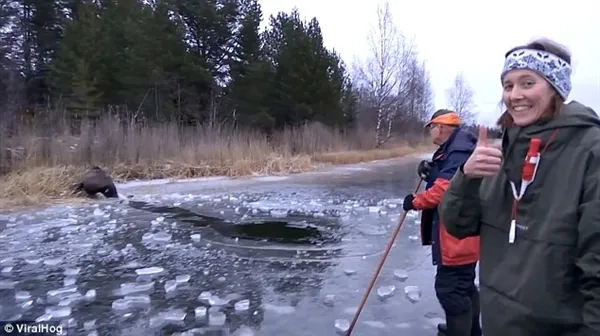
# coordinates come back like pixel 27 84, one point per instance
pixel 547 45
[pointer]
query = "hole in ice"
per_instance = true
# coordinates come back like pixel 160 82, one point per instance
pixel 291 230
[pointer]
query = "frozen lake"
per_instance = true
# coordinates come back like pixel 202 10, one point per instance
pixel 256 256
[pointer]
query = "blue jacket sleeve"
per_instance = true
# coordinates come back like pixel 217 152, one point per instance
pixel 430 198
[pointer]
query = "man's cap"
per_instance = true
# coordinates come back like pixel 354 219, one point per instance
pixel 444 117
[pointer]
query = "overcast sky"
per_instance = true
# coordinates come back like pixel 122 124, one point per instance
pixel 466 35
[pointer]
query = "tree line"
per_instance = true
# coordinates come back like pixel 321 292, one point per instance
pixel 201 62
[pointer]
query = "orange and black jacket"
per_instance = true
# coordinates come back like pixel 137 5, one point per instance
pixel 446 249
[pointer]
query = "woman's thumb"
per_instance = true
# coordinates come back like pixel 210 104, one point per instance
pixel 482 138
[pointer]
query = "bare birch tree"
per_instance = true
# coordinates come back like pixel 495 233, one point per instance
pixel 395 92
pixel 379 74
pixel 460 99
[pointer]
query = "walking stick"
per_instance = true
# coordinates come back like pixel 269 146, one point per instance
pixel 378 269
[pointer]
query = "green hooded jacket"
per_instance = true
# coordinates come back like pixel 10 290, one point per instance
pixel 547 282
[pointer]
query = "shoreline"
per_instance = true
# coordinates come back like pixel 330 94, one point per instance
pixel 131 186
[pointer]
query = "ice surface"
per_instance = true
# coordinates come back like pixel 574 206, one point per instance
pixel 244 331
pixel 279 310
pixel 95 252
pixel 375 324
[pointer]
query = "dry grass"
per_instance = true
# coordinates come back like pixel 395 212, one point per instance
pixel 41 167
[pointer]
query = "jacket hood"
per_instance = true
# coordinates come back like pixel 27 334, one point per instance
pixel 574 116
pixel 515 140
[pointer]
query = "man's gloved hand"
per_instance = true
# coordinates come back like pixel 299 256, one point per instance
pixel 408 202
pixel 423 169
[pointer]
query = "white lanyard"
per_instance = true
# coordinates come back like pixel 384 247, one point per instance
pixel 535 161
pixel 528 173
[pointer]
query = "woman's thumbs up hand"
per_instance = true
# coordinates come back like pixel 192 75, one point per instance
pixel 485 160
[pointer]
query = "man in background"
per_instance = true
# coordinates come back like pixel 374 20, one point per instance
pixel 455 259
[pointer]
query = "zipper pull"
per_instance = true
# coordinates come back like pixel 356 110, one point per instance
pixel 512 231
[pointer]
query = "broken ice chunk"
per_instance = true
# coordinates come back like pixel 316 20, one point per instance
pixel 174 315
pixel 400 275
pixel 43 318
pixel 279 213
pixel 135 287
pixel 55 295
pixel 161 237
pixel 149 271
pixel 69 281
pixel 21 296
pixel 7 284
pixel 329 300
pixel 170 286
pixel 131 301
pixel 89 325
pixel 90 294
pixel 70 299
pixel 412 293
pixel 204 296
pixel 373 209
pixel 341 326
pixel 59 312
pixel 53 261
pixel 242 305
pixel 385 292
pixel 200 312
pixel 184 278
pixel 216 318
pixel 72 271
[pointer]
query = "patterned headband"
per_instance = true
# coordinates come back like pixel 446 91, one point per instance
pixel 553 68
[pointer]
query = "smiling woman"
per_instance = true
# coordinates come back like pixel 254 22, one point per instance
pixel 533 89
pixel 535 203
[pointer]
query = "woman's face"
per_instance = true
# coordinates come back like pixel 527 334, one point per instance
pixel 526 95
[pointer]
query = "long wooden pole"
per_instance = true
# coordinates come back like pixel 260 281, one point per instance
pixel 380 266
